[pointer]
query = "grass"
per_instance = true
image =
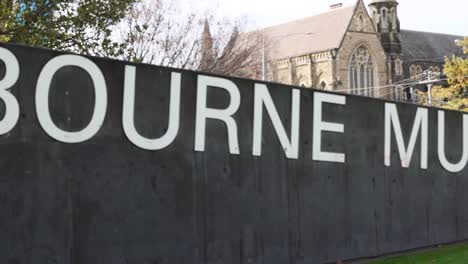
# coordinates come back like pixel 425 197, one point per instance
pixel 457 254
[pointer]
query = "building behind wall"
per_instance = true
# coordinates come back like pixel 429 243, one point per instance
pixel 351 49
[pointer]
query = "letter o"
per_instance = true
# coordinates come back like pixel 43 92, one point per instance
pixel 42 98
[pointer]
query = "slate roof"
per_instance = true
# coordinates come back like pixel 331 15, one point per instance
pixel 383 1
pixel 309 35
pixel 426 46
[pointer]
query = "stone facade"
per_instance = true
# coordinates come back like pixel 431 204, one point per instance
pixel 311 70
pixel 367 54
pixel 361 32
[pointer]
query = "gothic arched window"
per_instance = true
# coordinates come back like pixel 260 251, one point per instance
pixel 415 71
pixel 385 14
pixel 362 72
pixel 399 66
pixel 434 72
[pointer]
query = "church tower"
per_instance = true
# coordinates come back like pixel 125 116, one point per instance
pixel 384 13
pixel 385 16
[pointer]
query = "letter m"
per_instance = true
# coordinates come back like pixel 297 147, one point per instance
pixel 420 124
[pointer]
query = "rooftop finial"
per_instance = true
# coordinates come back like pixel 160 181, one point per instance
pixel 337 5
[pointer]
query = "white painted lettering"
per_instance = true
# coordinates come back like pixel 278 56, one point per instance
pixel 12 72
pixel 129 113
pixel 441 146
pixel 263 98
pixel 320 126
pixel 420 123
pixel 42 98
pixel 225 115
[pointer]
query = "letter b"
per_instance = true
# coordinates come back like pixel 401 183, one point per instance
pixel 12 71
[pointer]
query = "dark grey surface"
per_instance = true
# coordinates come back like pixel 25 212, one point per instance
pixel 418 46
pixel 107 201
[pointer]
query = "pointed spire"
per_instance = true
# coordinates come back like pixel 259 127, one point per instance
pixel 207 39
pixel 206 48
pixel 206 27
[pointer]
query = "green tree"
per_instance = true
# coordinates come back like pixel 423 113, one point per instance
pixel 454 97
pixel 456 69
pixel 83 26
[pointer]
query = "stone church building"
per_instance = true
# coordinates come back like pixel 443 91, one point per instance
pixel 352 50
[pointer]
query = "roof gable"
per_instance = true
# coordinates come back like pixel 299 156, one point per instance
pixel 361 21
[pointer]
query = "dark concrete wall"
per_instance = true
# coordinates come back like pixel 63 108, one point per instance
pixel 106 201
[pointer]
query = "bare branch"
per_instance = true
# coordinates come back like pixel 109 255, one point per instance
pixel 157 32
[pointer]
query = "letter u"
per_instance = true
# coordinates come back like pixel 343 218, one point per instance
pixel 128 118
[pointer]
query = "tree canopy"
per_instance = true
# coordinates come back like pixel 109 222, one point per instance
pixel 83 26
pixel 454 97
pixel 154 31
pixel 456 69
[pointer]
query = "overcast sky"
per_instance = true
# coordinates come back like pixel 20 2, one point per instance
pixel 444 16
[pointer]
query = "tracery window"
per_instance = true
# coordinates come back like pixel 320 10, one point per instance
pixel 362 72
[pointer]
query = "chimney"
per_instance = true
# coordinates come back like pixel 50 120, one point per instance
pixel 336 6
